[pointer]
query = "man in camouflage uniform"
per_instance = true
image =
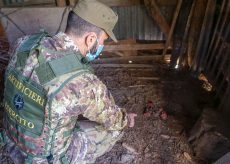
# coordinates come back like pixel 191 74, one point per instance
pixel 89 25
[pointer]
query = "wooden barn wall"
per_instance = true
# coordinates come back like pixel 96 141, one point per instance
pixel 212 53
pixel 216 62
pixel 134 22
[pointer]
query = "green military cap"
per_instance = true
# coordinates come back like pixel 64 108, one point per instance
pixel 97 14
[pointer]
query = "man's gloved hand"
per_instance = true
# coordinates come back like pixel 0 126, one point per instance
pixel 131 119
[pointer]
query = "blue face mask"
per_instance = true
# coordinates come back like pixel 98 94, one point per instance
pixel 92 56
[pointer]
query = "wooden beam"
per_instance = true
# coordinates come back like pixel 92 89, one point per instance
pixel 184 55
pixel 166 2
pixel 148 78
pixel 195 29
pixel 29 3
pixel 1 3
pixel 123 65
pixel 176 13
pixel 223 62
pixel 216 39
pixel 61 3
pixel 132 47
pixel 125 42
pixel 225 102
pixel 203 41
pixel 121 2
pixel 131 58
pixel 72 2
pixel 157 16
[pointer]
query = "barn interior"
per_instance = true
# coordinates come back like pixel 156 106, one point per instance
pixel 171 66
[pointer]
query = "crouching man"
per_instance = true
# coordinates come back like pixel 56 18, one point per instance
pixel 49 83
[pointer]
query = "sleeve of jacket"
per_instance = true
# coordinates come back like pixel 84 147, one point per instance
pixel 88 96
pixel 101 107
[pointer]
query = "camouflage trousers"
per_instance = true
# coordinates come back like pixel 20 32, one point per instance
pixel 86 145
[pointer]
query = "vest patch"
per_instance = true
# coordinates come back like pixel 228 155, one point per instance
pixel 26 91
pixel 15 117
pixel 18 101
pixel 24 104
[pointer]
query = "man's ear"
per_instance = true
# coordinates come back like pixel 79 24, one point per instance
pixel 90 39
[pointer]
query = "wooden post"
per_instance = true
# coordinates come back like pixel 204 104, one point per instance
pixel 157 16
pixel 121 2
pixel 61 3
pixel 215 64
pixel 183 55
pixel 221 84
pixel 225 102
pixel 205 36
pixel 213 49
pixel 72 2
pixel 194 32
pixel 211 45
pixel 223 64
pixel 1 3
pixel 168 41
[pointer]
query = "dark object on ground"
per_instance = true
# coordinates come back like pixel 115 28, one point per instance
pixel 210 136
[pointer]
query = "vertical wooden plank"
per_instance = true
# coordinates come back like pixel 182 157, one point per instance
pixel 195 29
pixel 61 3
pixel 221 84
pixel 1 3
pixel 219 55
pixel 179 32
pixel 197 59
pixel 211 46
pixel 216 66
pixel 224 64
pixel 121 2
pixel 183 55
pixel 168 41
pixel 72 2
pixel 212 50
pixel 4 47
pixel 225 102
pixel 207 36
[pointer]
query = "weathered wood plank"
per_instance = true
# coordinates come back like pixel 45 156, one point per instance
pixel 194 32
pixel 179 31
pixel 61 3
pixel 166 2
pixel 1 3
pixel 124 65
pixel 224 106
pixel 183 55
pixel 217 36
pixel 131 47
pixel 121 2
pixel 221 86
pixel 125 42
pixel 28 3
pixel 176 13
pixel 157 16
pixel 72 2
pixel 132 58
pixel 218 61
pixel 205 35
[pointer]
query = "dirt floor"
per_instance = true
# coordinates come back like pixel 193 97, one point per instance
pixel 167 102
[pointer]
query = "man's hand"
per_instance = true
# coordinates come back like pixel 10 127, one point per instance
pixel 131 119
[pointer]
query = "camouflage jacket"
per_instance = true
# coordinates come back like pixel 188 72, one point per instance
pixel 84 95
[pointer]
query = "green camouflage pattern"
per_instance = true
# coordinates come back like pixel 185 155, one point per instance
pixel 83 95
